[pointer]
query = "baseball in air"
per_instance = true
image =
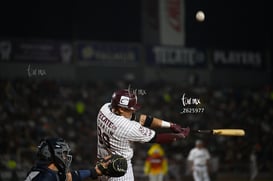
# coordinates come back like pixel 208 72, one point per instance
pixel 200 16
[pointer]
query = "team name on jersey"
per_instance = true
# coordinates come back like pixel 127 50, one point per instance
pixel 104 121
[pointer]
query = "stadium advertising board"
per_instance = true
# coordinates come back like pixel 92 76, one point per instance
pixel 108 53
pixel 176 56
pixel 40 51
pixel 238 59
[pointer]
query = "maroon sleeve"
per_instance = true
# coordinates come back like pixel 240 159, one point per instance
pixel 166 137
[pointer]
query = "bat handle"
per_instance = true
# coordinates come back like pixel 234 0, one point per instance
pixel 204 131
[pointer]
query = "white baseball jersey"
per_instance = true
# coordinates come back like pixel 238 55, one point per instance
pixel 199 158
pixel 115 135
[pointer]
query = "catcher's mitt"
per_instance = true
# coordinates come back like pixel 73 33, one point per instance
pixel 116 168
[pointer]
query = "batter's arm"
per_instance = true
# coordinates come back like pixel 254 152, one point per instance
pixel 163 138
pixel 153 122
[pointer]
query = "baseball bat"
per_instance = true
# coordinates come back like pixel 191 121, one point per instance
pixel 223 132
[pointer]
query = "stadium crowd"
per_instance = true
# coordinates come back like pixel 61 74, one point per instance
pixel 33 109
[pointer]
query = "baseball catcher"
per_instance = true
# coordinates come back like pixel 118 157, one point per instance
pixel 54 159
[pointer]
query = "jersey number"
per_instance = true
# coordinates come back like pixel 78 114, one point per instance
pixel 103 138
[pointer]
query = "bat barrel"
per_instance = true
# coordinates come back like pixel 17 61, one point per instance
pixel 223 132
pixel 229 132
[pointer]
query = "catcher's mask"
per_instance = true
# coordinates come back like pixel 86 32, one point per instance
pixel 55 150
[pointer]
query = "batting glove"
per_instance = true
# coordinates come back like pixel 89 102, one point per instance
pixel 185 131
pixel 175 128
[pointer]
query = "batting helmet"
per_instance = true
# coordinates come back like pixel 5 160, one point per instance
pixel 55 150
pixel 126 99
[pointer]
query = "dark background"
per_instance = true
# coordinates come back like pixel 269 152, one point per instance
pixel 49 107
pixel 229 24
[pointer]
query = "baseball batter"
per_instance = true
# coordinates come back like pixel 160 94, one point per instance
pixel 118 126
pixel 198 161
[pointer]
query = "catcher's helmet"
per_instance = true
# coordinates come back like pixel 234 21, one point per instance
pixel 55 150
pixel 126 99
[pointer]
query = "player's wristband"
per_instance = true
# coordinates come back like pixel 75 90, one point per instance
pixel 165 124
pixel 148 121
